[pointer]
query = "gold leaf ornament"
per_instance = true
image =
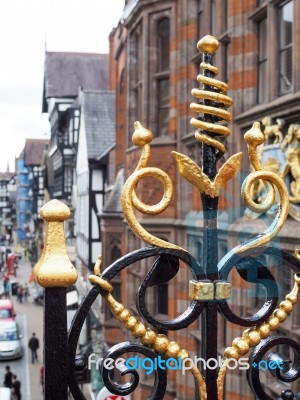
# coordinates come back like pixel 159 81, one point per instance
pixel 194 174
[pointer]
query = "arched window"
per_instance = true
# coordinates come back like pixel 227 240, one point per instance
pixel 115 253
pixel 163 34
pixel 162 76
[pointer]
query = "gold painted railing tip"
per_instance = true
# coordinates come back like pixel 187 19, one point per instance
pixel 54 268
pixel 55 210
pixel 208 44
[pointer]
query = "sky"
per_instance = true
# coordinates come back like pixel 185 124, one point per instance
pixel 27 28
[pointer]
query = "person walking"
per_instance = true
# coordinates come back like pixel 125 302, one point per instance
pixel 20 292
pixel 16 388
pixel 34 344
pixel 26 292
pixel 6 286
pixel 8 377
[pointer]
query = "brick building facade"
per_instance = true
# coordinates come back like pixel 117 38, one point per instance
pixel 153 65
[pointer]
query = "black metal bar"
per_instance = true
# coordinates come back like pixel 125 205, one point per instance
pixel 209 327
pixel 55 344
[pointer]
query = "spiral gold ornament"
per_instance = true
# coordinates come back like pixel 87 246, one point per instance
pixel 217 94
pixel 253 336
pixel 214 103
pixel 158 342
pixel 142 137
pixel 254 137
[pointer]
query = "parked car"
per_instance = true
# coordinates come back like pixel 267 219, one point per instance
pixel 7 311
pixel 5 393
pixel 10 341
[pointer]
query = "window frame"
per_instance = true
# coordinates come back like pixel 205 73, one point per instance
pixel 283 49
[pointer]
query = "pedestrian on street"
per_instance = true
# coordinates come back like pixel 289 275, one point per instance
pixel 20 293
pixel 8 377
pixel 16 388
pixel 26 292
pixel 34 344
pixel 6 286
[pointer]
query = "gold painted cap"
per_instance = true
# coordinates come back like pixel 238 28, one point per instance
pixel 55 210
pixel 208 44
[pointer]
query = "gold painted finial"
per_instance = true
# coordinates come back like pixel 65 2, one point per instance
pixel 55 210
pixel 254 137
pixel 141 135
pixel 212 101
pixel 54 268
pixel 208 44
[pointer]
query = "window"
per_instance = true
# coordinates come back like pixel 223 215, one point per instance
pixel 213 17
pixel 163 32
pixel 285 47
pixel 163 106
pixel 136 78
pixel 115 254
pixel 200 20
pixel 262 62
pixel 162 76
pixel 68 179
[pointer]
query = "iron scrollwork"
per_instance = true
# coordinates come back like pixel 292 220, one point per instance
pixel 209 287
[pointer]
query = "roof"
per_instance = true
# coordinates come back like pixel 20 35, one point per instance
pixel 34 151
pixel 113 204
pixel 6 176
pixel 98 108
pixel 66 72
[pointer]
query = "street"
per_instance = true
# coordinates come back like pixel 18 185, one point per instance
pixel 30 319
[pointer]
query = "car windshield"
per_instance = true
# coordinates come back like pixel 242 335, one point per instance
pixel 8 336
pixel 5 313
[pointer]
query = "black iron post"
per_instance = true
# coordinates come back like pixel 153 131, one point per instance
pixel 209 326
pixel 55 344
pixel 55 272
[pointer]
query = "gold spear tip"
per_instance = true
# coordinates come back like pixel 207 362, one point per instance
pixel 141 135
pixel 208 44
pixel 55 210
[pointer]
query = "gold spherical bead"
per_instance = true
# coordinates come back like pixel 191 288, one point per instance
pixel 183 354
pixel 125 314
pixel 161 344
pixel 231 352
pixel 241 345
pixel 280 314
pixel 172 350
pixel 253 338
pixel 131 322
pixel 141 135
pixel 286 305
pixel 208 44
pixel 149 337
pixel 139 330
pixel 264 330
pixel 273 323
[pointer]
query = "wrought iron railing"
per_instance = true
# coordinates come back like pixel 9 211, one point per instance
pixel 210 288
